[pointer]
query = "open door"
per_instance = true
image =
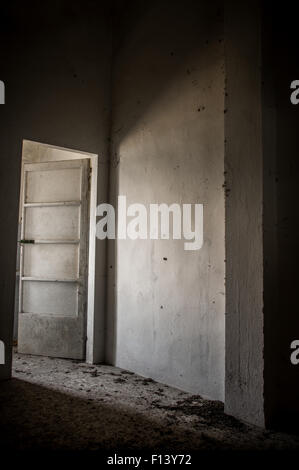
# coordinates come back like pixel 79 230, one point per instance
pixel 53 259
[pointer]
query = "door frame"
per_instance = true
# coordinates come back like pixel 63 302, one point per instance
pixel 37 152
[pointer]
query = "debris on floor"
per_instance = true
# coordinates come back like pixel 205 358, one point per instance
pixel 63 404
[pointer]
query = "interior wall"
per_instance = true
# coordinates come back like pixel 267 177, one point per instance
pixel 244 390
pixel 55 63
pixel 281 171
pixel 261 160
pixel 166 305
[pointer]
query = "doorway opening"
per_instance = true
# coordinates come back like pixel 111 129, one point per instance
pixel 54 301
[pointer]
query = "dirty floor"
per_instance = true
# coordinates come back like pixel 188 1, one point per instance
pixel 68 405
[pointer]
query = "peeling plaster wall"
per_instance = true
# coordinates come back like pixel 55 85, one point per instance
pixel 55 63
pixel 166 305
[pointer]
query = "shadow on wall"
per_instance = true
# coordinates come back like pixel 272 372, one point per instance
pixel 155 44
pixel 281 148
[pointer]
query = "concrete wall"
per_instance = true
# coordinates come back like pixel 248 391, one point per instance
pixel 261 162
pixel 166 307
pixel 244 214
pixel 281 171
pixel 55 63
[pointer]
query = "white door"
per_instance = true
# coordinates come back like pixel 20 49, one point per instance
pixel 53 261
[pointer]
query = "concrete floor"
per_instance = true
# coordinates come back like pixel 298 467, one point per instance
pixel 64 404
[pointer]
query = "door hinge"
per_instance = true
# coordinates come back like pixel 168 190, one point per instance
pixel 89 178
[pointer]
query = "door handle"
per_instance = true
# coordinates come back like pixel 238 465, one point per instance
pixel 27 241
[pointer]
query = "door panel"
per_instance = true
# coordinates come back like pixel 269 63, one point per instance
pixel 51 261
pixel 53 185
pixel 53 265
pixel 53 298
pixel 58 222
